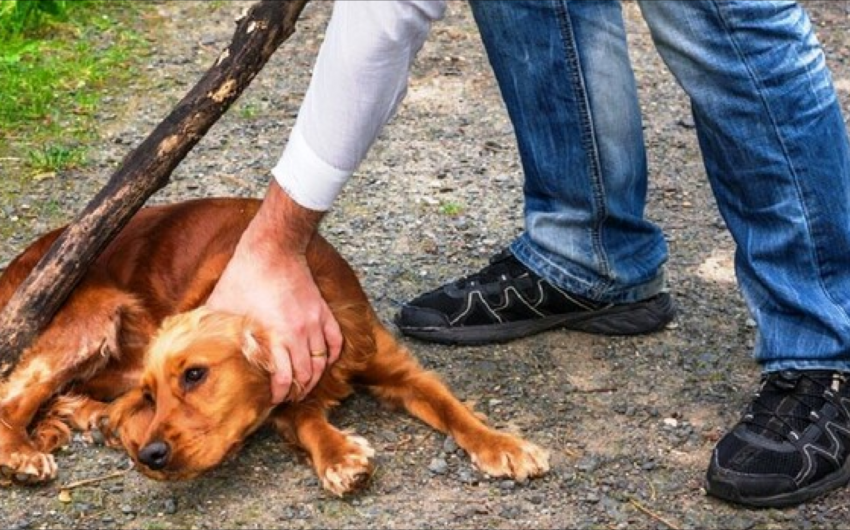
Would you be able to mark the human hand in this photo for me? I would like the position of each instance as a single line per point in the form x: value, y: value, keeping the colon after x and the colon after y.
x: 268, y: 279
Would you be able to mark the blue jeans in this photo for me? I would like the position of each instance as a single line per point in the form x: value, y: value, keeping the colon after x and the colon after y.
x: 769, y: 126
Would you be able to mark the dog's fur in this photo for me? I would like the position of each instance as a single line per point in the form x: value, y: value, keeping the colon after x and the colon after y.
x: 133, y: 352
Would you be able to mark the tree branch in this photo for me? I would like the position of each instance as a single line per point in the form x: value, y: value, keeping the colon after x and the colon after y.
x: 143, y: 172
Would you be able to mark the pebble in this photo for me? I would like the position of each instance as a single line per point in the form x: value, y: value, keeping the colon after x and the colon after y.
x: 466, y: 476
x: 507, y: 485
x: 671, y: 422
x: 438, y: 466
x: 82, y: 507
x: 510, y: 512
x: 588, y: 464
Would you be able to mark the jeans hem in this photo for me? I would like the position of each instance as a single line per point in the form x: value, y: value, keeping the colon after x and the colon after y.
x: 598, y: 290
x: 801, y: 364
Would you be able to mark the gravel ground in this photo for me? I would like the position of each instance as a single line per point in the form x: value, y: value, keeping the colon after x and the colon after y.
x: 630, y: 421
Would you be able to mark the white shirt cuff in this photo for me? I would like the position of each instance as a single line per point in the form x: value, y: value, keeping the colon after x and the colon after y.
x: 306, y: 178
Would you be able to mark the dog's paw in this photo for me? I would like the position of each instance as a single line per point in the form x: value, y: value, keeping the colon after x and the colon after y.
x: 28, y: 466
x: 351, y: 470
x: 50, y: 434
x: 509, y: 456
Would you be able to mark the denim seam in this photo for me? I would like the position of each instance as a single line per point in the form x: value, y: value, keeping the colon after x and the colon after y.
x: 754, y: 78
x: 588, y: 140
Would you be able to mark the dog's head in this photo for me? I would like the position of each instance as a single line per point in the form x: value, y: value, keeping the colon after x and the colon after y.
x: 205, y: 388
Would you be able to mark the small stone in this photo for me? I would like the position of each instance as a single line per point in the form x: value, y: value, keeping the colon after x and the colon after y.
x: 507, y: 485
x: 588, y: 464
x: 438, y: 466
x: 467, y: 477
x: 170, y: 506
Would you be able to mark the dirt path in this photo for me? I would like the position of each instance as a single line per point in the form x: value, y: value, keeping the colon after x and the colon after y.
x: 630, y: 422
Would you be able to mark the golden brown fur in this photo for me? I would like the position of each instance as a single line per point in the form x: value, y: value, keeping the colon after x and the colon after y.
x: 133, y: 352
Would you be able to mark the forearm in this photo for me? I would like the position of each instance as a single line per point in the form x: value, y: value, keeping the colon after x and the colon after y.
x: 358, y: 81
x: 284, y: 223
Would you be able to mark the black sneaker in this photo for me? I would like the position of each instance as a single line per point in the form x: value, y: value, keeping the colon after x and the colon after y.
x: 790, y: 446
x: 506, y: 301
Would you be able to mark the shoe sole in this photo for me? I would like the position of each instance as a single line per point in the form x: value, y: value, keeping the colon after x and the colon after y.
x: 628, y: 319
x: 728, y: 492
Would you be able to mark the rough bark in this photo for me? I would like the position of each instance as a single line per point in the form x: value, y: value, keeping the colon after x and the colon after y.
x: 142, y: 173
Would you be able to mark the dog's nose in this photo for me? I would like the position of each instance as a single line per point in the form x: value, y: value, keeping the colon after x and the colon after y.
x: 155, y: 455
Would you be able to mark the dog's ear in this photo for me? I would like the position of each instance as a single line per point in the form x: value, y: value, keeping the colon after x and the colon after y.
x: 255, y: 346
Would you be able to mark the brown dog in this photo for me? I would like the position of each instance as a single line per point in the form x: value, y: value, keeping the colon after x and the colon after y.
x: 134, y: 353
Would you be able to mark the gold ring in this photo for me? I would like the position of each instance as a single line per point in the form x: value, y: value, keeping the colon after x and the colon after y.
x: 319, y: 353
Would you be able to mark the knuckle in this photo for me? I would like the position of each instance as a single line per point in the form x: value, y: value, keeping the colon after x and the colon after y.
x: 283, y: 378
x: 303, y: 378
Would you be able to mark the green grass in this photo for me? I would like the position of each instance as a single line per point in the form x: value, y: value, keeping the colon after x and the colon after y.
x: 52, y: 158
x: 19, y: 16
x: 248, y: 109
x: 55, y: 67
x: 451, y: 209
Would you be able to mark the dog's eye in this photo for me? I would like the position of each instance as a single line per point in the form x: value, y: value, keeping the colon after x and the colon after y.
x: 148, y: 397
x: 193, y: 376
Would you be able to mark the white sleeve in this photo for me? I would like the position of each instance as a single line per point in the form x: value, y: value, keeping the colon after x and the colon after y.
x: 358, y: 81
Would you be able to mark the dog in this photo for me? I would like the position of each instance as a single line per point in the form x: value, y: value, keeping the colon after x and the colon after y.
x: 134, y: 353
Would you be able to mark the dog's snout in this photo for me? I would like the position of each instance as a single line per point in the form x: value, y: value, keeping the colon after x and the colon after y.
x: 155, y: 455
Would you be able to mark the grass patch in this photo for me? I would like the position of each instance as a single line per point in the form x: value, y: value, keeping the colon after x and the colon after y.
x: 55, y: 157
x: 55, y: 67
x: 451, y: 209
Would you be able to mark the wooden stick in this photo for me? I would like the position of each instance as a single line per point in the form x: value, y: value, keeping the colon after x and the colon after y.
x: 654, y: 515
x: 143, y: 172
x: 93, y: 480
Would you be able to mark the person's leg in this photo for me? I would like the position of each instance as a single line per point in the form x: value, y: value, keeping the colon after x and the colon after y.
x: 564, y: 73
x: 776, y: 152
x: 565, y: 76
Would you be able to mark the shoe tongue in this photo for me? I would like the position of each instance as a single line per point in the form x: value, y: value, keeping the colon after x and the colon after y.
x: 502, y: 264
x: 787, y: 399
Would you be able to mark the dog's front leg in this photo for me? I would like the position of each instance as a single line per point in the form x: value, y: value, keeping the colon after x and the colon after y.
x: 82, y: 338
x: 342, y: 460
x: 67, y: 412
x: 395, y: 377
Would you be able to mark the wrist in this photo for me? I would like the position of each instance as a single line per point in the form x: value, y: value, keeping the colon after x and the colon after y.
x: 283, y: 222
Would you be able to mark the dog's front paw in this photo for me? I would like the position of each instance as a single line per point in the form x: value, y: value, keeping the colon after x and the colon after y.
x: 350, y: 469
x: 27, y: 466
x: 50, y: 434
x: 504, y: 455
